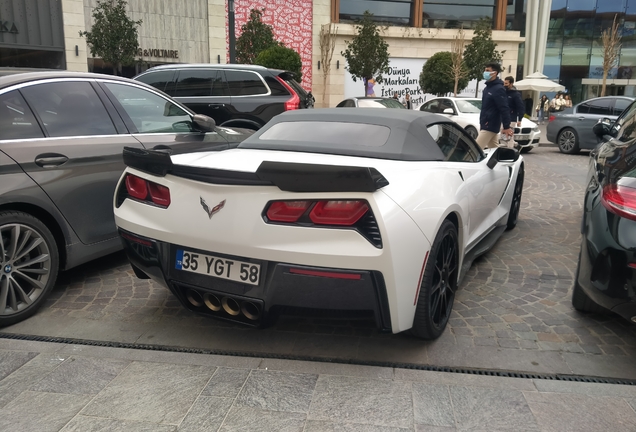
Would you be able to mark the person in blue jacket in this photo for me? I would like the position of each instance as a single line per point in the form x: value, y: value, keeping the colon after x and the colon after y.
x: 494, y: 109
x: 515, y: 103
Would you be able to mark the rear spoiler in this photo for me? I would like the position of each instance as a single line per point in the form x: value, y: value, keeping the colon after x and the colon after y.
x: 287, y: 176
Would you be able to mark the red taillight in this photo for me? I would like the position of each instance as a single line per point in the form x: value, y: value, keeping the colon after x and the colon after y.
x: 632, y: 265
x: 620, y: 200
x: 294, y: 102
x: 287, y: 211
x: 344, y: 213
x: 159, y: 194
x: 136, y: 187
x: 552, y: 118
x: 145, y: 190
x: 134, y: 238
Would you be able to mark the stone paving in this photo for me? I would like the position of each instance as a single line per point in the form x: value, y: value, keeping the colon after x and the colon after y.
x: 512, y: 312
x: 50, y: 387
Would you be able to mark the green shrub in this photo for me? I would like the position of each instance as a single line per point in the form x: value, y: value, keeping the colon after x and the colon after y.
x: 281, y: 57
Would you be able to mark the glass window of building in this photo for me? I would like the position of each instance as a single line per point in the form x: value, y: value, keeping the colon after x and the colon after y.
x: 392, y: 12
x: 456, y: 13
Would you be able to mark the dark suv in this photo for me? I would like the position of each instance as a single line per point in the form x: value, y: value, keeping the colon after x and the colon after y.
x: 244, y: 96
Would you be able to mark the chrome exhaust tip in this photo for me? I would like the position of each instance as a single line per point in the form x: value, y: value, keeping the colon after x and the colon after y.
x: 212, y: 302
x: 250, y: 310
x: 231, y: 306
x: 194, y: 298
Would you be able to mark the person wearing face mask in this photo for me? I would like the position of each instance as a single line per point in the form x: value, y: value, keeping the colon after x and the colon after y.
x: 494, y: 109
x: 515, y: 103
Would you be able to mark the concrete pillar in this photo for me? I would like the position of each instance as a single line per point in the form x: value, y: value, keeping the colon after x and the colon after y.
x: 73, y: 16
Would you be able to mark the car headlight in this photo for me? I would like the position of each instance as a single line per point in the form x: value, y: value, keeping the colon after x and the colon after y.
x: 535, y: 129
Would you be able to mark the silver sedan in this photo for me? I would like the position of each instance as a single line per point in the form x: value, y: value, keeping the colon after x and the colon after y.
x: 571, y: 129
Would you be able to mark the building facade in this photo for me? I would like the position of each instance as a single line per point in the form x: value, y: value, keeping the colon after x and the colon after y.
x: 46, y: 34
x: 574, y: 52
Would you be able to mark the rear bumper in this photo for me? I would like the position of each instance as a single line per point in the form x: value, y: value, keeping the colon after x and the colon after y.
x: 350, y: 293
x: 606, y: 254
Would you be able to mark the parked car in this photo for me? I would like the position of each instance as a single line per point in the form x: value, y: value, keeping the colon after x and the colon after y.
x: 605, y: 279
x: 243, y: 96
x: 465, y: 112
x: 360, y: 211
x: 571, y: 129
x: 61, y: 140
x: 370, y: 102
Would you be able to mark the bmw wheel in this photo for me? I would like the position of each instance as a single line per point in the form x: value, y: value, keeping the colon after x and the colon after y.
x: 438, y: 286
x: 28, y: 265
x: 472, y: 132
x: 513, y: 214
x: 568, y: 141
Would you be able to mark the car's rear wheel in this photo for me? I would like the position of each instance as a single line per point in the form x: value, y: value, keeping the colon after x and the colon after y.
x: 472, y: 132
x: 438, y: 286
x: 29, y: 264
x: 568, y: 141
x: 513, y: 214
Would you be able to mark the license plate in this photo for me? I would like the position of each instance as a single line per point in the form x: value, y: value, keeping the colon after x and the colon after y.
x: 223, y: 268
x: 522, y: 137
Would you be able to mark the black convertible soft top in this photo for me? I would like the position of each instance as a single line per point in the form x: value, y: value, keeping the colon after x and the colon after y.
x: 364, y: 132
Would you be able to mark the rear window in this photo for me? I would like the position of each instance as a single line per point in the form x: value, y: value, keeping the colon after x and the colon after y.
x: 330, y: 132
x: 245, y: 83
x: 289, y: 79
x: 380, y: 103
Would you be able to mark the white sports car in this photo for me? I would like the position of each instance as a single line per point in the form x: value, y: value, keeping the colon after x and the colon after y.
x: 360, y: 211
x: 465, y: 112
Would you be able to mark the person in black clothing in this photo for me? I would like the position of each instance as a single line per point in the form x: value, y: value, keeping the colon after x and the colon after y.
x: 514, y: 101
x: 494, y: 108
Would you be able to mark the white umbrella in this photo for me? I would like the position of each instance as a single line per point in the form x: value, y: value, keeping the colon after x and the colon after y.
x: 538, y: 82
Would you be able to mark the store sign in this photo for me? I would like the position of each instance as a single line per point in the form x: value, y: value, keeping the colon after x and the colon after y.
x: 160, y: 53
x: 8, y: 27
x: 403, y: 77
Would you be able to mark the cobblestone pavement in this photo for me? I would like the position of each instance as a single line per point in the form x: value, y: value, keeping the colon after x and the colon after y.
x: 512, y: 312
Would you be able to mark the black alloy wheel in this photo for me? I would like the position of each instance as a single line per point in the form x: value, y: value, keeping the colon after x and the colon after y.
x: 28, y: 265
x: 439, y: 285
x: 513, y: 214
x: 472, y: 132
x: 568, y: 141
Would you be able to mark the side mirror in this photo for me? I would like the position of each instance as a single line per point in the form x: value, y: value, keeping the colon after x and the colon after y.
x: 448, y: 111
x: 602, y: 128
x: 204, y: 123
x: 502, y: 154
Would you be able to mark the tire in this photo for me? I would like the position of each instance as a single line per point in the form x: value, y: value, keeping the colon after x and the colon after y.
x: 515, y: 205
x: 438, y: 286
x: 472, y: 132
x: 29, y: 263
x: 580, y: 300
x: 568, y: 141
x: 526, y: 149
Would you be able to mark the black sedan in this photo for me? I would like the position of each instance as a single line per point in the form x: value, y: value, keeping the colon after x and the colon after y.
x: 606, y: 273
x: 61, y: 140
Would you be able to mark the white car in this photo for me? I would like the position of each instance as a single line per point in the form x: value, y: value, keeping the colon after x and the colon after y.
x: 355, y: 210
x: 465, y: 112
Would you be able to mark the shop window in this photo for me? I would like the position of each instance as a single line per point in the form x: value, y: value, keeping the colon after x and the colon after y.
x: 456, y: 13
x: 69, y: 109
x: 16, y: 119
x: 392, y: 12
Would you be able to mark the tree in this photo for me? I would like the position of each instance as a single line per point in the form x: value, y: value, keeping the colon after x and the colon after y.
x: 458, y: 68
x: 367, y: 54
x: 281, y: 57
x: 611, y: 46
x: 436, y: 78
x: 113, y: 36
x: 480, y: 51
x: 256, y: 36
x: 327, y: 38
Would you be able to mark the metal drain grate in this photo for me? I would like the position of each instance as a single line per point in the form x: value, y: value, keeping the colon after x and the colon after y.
x: 432, y: 368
